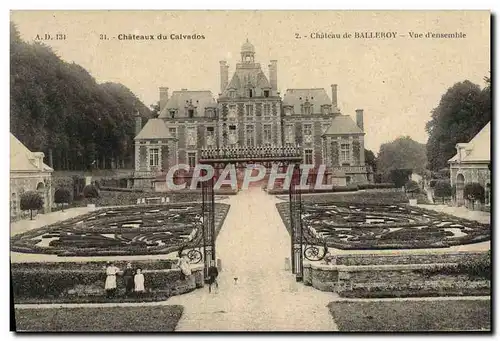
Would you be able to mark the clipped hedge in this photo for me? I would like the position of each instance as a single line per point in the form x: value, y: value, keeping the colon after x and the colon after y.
x: 365, y: 197
x: 376, y: 186
x: 77, y: 281
x: 474, y: 268
x: 453, y: 289
x: 334, y: 189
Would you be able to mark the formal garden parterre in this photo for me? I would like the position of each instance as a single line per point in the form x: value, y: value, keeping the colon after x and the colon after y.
x: 131, y: 230
x: 363, y: 226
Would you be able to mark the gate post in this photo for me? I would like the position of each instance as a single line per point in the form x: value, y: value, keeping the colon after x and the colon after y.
x: 296, y: 232
x: 208, y: 214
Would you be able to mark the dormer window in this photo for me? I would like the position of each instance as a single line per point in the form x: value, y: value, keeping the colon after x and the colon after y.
x: 172, y: 113
x: 232, y: 94
x: 266, y: 93
x: 190, y: 113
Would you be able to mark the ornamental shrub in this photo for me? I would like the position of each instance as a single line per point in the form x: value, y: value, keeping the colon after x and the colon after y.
x: 412, y: 187
x: 474, y: 191
x: 90, y: 191
x: 31, y: 201
x: 442, y: 189
x: 62, y: 196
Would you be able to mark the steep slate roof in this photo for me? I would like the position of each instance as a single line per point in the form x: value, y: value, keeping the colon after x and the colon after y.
x: 316, y: 96
x: 478, y: 149
x: 179, y: 100
x: 249, y: 73
x: 155, y: 128
x: 343, y: 124
x: 22, y: 159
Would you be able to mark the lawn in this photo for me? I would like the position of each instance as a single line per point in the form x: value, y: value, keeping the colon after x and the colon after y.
x: 399, y: 316
x: 99, y: 319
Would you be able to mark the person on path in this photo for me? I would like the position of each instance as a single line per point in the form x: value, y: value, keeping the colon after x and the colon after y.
x: 139, y: 281
x: 110, y: 284
x: 183, y: 264
x: 212, y: 274
x: 128, y: 278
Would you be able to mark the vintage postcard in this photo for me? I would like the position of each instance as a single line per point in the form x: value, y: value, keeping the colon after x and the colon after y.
x: 196, y: 171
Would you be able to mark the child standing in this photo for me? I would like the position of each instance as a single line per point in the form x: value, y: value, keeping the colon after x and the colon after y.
x: 139, y: 281
x: 213, y: 273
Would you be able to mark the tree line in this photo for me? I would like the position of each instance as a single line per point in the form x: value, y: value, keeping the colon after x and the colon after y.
x: 464, y: 109
x: 58, y: 108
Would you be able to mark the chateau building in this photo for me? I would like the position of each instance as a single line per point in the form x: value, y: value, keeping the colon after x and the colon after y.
x: 250, y: 112
x: 472, y: 164
x: 28, y: 173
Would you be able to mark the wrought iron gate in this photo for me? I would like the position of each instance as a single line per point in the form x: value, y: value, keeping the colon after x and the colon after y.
x: 208, y: 230
x: 296, y: 231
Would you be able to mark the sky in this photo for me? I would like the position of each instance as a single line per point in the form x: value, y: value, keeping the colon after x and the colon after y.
x: 397, y: 81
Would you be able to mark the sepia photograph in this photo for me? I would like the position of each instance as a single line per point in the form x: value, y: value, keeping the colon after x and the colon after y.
x: 250, y: 171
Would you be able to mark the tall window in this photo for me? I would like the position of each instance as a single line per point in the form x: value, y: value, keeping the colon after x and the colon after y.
x: 266, y: 93
x: 210, y: 136
x: 154, y: 157
x: 250, y: 93
x: 191, y: 156
x: 307, y: 133
x: 190, y: 113
x: 172, y: 113
x: 233, y: 136
x: 267, y: 134
x: 290, y: 134
x: 173, y: 132
x: 249, y: 110
x: 308, y: 156
x: 345, y: 153
x: 232, y: 111
x: 249, y: 136
x: 267, y: 110
x: 191, y: 136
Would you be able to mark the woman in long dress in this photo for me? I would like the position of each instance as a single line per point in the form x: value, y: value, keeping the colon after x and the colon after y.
x: 110, y: 284
x: 183, y: 264
x: 139, y: 282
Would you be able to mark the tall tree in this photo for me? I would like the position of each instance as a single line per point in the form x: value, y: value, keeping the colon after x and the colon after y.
x: 370, y: 159
x: 462, y: 112
x: 59, y: 108
x: 402, y: 153
x: 155, y: 109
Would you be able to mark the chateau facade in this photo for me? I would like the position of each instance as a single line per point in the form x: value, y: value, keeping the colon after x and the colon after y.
x: 250, y: 112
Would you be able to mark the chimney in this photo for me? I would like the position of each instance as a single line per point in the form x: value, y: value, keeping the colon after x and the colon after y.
x: 273, y: 74
x: 138, y: 122
x: 359, y: 118
x: 163, y: 97
x: 224, y: 75
x: 334, y: 96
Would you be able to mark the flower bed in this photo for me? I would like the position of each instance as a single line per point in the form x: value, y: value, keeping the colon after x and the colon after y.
x: 355, y: 226
x: 138, y: 230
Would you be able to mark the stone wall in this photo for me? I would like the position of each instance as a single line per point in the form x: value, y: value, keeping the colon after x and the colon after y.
x: 395, y: 274
x: 405, y: 258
